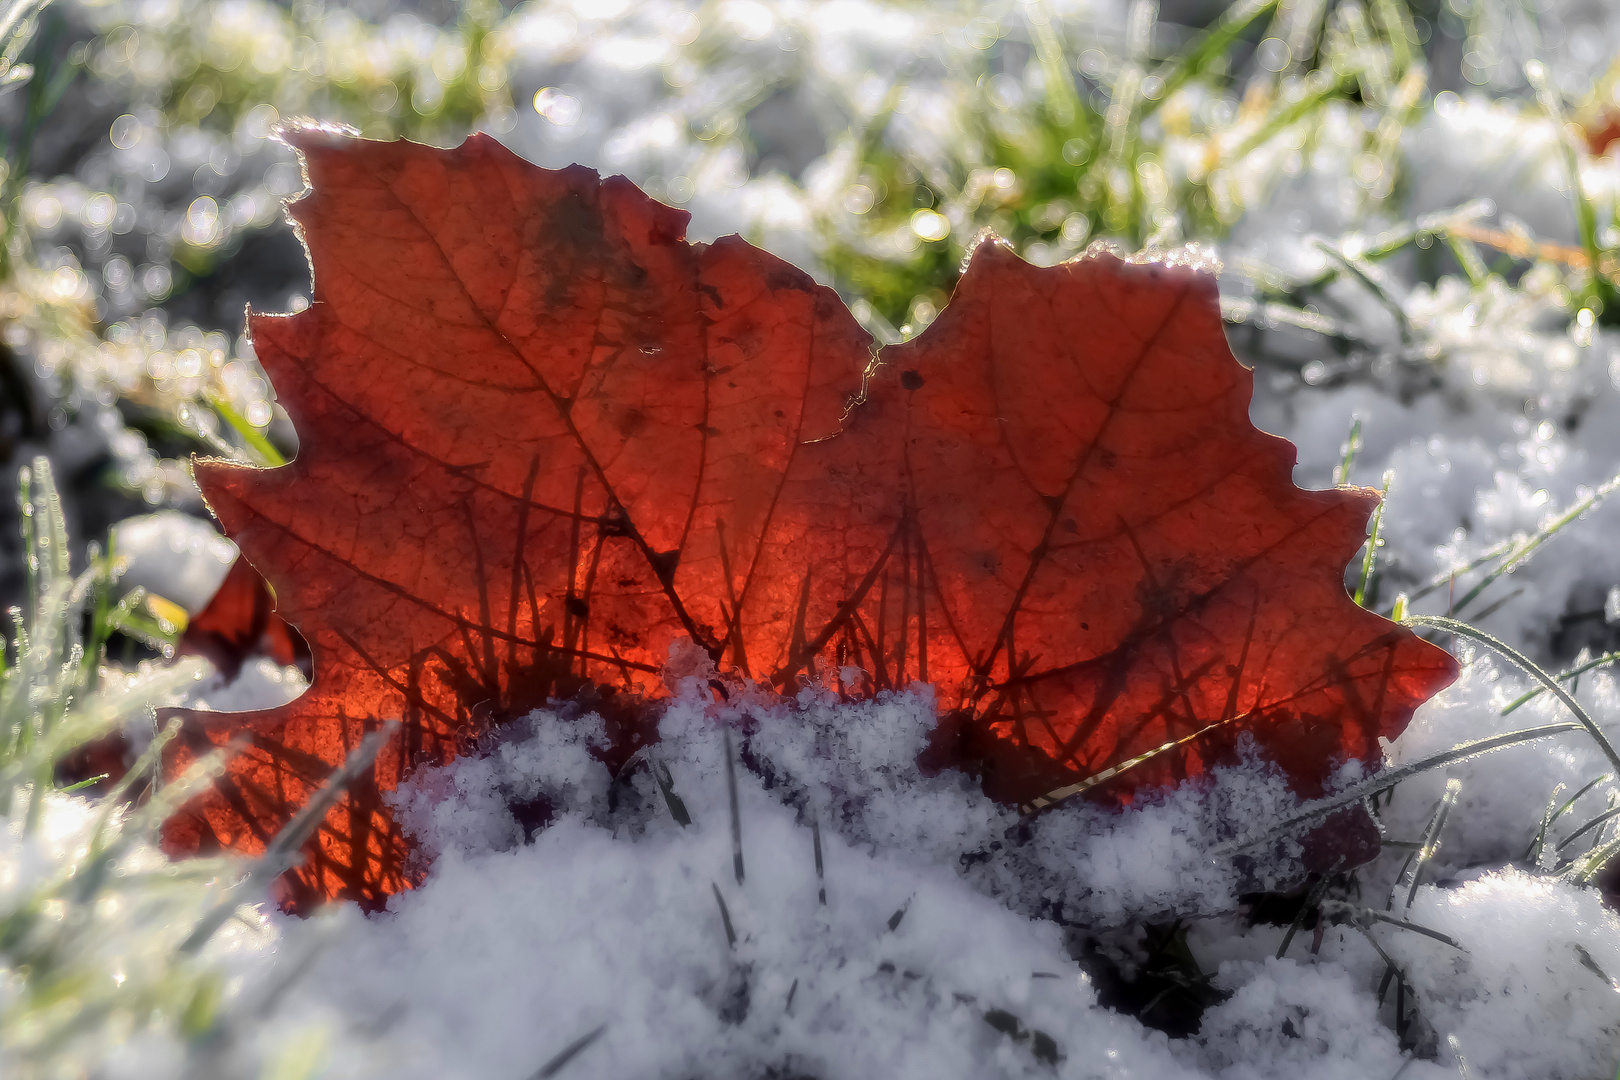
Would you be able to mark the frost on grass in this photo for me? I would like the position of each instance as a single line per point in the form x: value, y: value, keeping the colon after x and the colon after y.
x: 110, y: 977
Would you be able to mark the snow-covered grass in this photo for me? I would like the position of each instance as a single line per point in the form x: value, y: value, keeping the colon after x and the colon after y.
x: 775, y: 890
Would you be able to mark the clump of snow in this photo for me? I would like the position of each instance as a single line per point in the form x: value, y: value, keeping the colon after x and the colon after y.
x: 469, y: 806
x: 850, y: 767
x: 1289, y: 1018
x: 622, y: 924
x: 176, y: 556
x: 260, y: 683
x: 1107, y: 867
x: 943, y: 945
x: 1531, y: 991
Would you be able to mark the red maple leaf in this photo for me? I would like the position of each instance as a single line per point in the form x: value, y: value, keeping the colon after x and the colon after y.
x: 543, y: 438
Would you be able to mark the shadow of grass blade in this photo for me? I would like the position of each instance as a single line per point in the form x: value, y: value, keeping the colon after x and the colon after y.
x: 566, y: 1054
x: 282, y: 851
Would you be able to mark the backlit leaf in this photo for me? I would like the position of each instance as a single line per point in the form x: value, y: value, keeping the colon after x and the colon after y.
x: 543, y: 439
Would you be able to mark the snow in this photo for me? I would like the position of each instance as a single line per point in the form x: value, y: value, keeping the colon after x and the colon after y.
x: 1523, y: 939
x: 606, y: 918
x: 1287, y: 1019
x: 893, y: 975
x: 173, y: 555
x: 260, y: 684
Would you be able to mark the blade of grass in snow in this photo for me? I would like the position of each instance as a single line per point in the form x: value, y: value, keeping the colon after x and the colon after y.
x: 1212, y: 46
x: 1388, y: 778
x: 1564, y: 676
x: 736, y: 815
x: 1449, y: 578
x: 1411, y: 875
x: 1063, y: 794
x: 666, y: 787
x: 1595, y: 823
x: 1357, y: 268
x: 567, y: 1054
x: 1373, y: 540
x: 1538, y: 843
x: 1406, y: 924
x: 1352, y: 447
x: 1521, y: 551
x: 1462, y: 629
x: 1601, y: 294
x: 725, y: 916
x: 1588, y: 867
x: 821, y: 877
x: 1312, y: 899
x: 1366, y: 916
x: 1439, y: 223
x: 1468, y: 258
x: 1533, y: 853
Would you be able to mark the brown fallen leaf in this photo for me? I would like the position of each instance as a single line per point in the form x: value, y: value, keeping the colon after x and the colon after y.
x: 543, y: 439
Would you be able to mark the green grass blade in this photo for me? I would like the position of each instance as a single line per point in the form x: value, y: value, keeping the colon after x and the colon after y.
x: 1592, y: 865
x: 1373, y: 540
x: 1601, y: 292
x: 1212, y: 45
x: 1412, y: 874
x: 1533, y: 853
x: 1595, y: 823
x: 1352, y: 447
x: 1563, y: 676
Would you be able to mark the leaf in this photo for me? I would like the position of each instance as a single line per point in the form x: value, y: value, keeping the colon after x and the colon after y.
x: 544, y: 439
x: 239, y: 622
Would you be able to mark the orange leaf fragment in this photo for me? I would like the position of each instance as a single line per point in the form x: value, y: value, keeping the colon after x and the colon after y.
x: 543, y: 438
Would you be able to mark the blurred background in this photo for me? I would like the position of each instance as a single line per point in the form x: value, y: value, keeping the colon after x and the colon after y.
x: 866, y: 141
